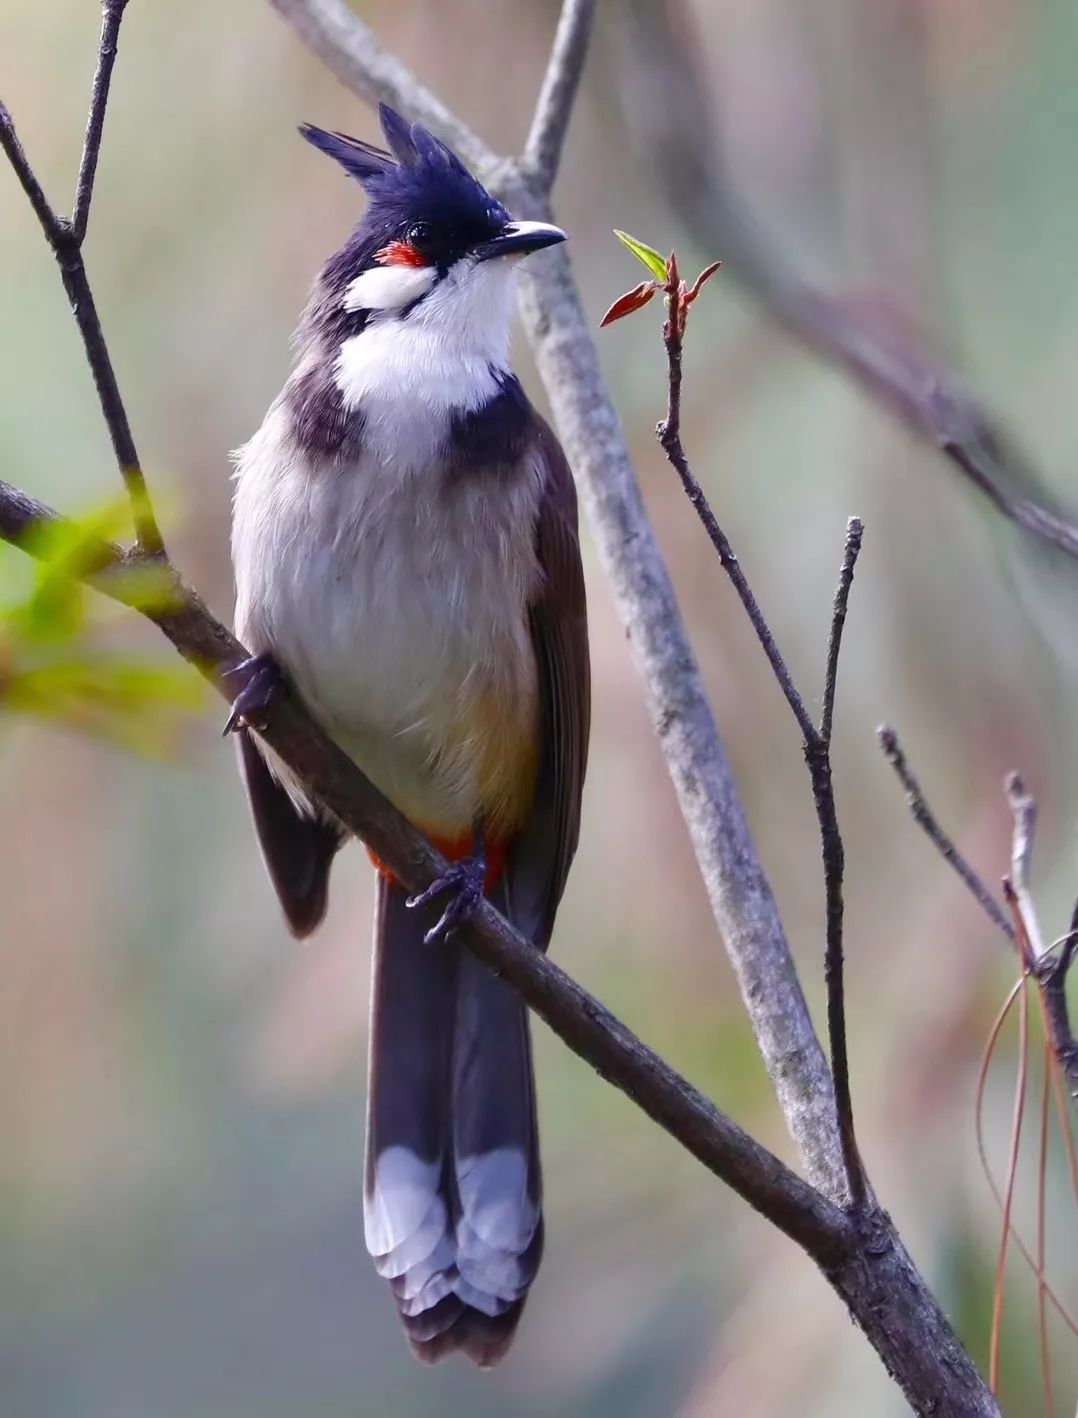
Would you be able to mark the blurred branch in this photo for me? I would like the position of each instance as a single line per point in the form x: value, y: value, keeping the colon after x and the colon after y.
x: 557, y: 327
x: 671, y: 122
x: 816, y: 742
x: 557, y: 97
x: 353, y: 53
x: 66, y: 238
x: 1050, y: 973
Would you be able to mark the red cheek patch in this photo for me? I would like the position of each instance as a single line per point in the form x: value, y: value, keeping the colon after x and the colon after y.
x: 400, y: 253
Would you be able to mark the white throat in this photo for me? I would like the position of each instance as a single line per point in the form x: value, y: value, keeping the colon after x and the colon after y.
x: 409, y: 371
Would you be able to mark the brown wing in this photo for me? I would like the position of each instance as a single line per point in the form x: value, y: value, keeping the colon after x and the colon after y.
x: 540, y: 861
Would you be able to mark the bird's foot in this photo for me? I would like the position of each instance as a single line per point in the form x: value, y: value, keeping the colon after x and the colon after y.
x: 264, y: 682
x: 464, y: 882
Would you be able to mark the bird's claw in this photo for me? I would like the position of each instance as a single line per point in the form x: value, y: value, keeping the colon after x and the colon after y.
x: 464, y: 882
x: 264, y: 682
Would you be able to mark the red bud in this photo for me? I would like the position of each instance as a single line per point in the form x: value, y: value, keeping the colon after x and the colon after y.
x: 630, y: 301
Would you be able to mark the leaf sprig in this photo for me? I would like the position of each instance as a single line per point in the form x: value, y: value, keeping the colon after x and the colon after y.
x: 665, y: 278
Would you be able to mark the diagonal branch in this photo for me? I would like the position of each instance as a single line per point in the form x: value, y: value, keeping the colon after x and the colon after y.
x: 926, y: 820
x: 557, y: 97
x: 54, y: 228
x: 112, y: 13
x: 672, y: 125
x: 575, y: 1016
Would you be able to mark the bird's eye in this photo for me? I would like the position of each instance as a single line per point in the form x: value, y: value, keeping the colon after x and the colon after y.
x: 418, y: 233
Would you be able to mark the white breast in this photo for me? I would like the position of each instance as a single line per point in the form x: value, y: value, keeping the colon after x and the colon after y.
x: 396, y: 600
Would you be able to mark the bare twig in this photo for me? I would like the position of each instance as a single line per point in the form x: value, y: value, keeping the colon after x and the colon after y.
x: 927, y: 822
x: 669, y: 435
x: 65, y: 239
x: 1049, y: 971
x: 818, y: 758
x: 558, y: 329
x: 671, y: 121
x: 51, y: 225
x: 816, y: 742
x: 557, y: 97
x: 854, y: 532
x: 112, y: 12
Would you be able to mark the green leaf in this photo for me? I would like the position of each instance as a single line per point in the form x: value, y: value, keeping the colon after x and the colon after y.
x: 649, y: 257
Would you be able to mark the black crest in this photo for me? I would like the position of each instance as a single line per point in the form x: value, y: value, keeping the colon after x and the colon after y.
x: 419, y: 190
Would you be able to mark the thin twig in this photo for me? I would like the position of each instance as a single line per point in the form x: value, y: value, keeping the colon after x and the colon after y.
x: 816, y: 742
x: 926, y: 820
x: 54, y: 228
x: 818, y: 758
x: 557, y: 97
x: 854, y: 532
x: 66, y: 242
x: 669, y: 435
x: 112, y: 12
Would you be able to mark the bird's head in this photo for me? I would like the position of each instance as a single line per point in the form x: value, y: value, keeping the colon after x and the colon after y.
x: 433, y: 245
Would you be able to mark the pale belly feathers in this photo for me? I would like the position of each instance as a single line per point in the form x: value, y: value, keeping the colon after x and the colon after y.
x: 396, y: 599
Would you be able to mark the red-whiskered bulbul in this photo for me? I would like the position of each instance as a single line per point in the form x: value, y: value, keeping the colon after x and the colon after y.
x: 407, y: 561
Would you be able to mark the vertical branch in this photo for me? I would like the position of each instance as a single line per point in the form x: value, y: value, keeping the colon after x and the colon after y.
x: 818, y: 758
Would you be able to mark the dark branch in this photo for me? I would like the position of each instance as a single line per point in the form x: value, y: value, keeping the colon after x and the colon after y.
x: 669, y: 435
x: 557, y: 98
x: 55, y: 230
x: 112, y: 12
x: 816, y: 743
x: 854, y: 532
x: 65, y: 238
x: 927, y: 822
x: 818, y: 758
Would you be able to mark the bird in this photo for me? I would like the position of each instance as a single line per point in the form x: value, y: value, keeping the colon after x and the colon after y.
x: 407, y: 563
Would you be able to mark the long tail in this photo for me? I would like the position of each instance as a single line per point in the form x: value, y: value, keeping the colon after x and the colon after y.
x: 453, y: 1203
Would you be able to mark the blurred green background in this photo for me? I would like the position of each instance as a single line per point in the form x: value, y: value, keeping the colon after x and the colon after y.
x: 181, y: 1085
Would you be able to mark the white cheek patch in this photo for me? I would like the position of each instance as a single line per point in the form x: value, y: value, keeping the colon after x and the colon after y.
x: 388, y: 287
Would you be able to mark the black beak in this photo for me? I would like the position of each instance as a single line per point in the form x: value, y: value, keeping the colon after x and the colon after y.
x: 519, y: 239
